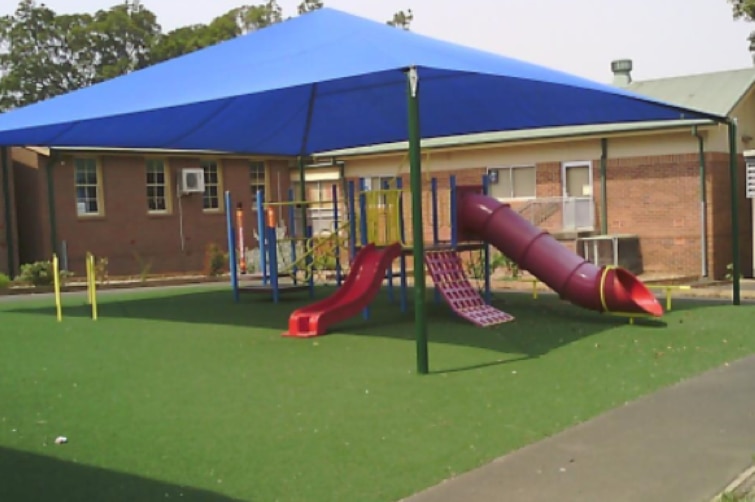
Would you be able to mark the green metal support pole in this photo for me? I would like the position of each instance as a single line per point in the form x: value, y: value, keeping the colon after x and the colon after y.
x: 415, y: 179
x: 4, y: 152
x: 604, y: 186
x: 734, y: 195
x: 52, y: 214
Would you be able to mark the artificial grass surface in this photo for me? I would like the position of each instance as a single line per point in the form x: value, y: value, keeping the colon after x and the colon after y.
x: 184, y: 394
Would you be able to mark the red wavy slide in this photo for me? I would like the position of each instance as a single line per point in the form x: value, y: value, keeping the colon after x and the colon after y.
x: 606, y: 289
x: 361, y: 285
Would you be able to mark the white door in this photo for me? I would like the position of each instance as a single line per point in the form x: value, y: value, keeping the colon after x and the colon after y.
x: 579, y: 209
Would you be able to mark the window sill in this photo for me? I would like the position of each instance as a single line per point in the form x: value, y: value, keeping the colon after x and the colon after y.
x: 90, y: 217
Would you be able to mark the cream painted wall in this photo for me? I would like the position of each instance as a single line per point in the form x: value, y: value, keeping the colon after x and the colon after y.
x: 648, y: 144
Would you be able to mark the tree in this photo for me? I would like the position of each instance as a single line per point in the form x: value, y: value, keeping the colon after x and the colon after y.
x: 122, y: 38
x: 230, y: 25
x: 43, y: 54
x: 403, y: 19
x: 309, y: 6
x: 39, y: 54
x: 745, y: 9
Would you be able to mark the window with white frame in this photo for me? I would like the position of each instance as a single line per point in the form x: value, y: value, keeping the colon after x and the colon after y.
x: 256, y: 179
x: 212, y: 185
x: 88, y: 180
x: 158, y: 200
x: 513, y: 182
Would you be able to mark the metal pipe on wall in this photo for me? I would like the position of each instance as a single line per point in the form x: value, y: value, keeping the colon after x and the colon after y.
x: 703, y: 204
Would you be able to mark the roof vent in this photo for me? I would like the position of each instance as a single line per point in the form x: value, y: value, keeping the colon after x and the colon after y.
x: 622, y: 72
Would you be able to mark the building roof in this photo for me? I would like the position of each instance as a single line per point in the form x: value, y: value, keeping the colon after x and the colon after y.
x: 716, y: 93
x: 546, y: 133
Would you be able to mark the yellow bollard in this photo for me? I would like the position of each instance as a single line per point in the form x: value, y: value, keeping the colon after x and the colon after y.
x: 92, y: 285
x: 56, y: 286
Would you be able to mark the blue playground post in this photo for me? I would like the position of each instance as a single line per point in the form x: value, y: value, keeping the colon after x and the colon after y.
x: 454, y: 215
x: 402, y: 235
x: 336, y: 229
x: 273, y: 245
x: 292, y: 232
x: 363, y: 227
x: 436, y: 230
x: 434, y: 210
x: 232, y: 247
x: 262, y: 234
x: 486, y: 249
x: 352, y: 221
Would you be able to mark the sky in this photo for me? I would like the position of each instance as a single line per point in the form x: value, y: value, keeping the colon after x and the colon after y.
x: 664, y: 38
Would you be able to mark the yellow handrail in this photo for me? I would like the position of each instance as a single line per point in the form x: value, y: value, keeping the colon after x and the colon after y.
x: 312, y: 245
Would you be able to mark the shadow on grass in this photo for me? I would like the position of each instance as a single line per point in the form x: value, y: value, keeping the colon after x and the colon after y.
x: 29, y: 477
x: 541, y: 325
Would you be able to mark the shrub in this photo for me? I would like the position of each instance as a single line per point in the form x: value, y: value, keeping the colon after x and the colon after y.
x: 4, y: 281
x: 40, y: 273
x: 215, y: 260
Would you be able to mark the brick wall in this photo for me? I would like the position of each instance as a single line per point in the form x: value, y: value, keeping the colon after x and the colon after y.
x: 32, y: 210
x: 131, y: 238
x: 8, y: 222
x: 655, y: 197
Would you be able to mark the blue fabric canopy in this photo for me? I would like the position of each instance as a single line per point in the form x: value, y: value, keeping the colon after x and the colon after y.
x: 325, y: 80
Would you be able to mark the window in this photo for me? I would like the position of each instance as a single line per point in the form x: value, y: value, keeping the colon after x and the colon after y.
x: 256, y: 179
x: 381, y: 183
x: 518, y: 182
x: 88, y: 188
x: 158, y: 200
x: 211, y: 198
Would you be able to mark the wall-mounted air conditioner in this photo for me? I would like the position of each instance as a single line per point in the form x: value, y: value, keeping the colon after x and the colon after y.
x: 191, y: 180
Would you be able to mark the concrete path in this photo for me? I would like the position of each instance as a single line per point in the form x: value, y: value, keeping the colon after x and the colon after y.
x: 685, y: 443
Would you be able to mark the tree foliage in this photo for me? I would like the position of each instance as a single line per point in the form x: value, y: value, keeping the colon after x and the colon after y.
x: 402, y: 19
x: 44, y: 54
x: 745, y: 9
x: 309, y: 6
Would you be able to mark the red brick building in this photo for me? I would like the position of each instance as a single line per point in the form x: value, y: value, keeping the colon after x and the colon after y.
x: 130, y: 208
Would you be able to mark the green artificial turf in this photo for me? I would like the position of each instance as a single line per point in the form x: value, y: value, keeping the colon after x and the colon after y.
x: 185, y: 394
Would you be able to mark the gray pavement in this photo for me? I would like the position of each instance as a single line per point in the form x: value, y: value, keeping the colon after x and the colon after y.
x: 685, y: 443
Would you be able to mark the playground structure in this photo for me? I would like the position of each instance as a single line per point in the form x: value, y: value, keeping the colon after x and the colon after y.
x: 91, y: 282
x: 373, y: 235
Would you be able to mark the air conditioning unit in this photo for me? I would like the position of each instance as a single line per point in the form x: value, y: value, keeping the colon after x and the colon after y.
x: 191, y: 180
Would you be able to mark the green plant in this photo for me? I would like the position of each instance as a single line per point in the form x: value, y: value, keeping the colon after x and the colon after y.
x: 4, y: 281
x: 475, y: 266
x: 40, y: 273
x: 730, y: 272
x: 145, y: 265
x: 100, y: 270
x: 216, y: 260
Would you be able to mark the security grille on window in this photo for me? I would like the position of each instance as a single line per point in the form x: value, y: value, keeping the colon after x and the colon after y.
x: 157, y: 200
x: 211, y: 198
x: 87, y: 181
x: 256, y: 179
x: 516, y: 182
x: 380, y: 183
